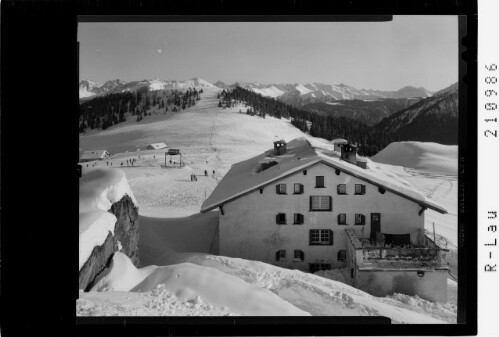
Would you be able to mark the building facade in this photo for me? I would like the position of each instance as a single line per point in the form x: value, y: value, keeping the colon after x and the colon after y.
x: 325, y: 214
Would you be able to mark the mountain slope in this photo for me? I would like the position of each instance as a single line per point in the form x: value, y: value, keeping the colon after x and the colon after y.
x: 434, y: 119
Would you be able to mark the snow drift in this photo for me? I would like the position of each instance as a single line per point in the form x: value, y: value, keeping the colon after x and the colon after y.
x: 190, y: 282
x: 432, y: 157
x: 243, y: 287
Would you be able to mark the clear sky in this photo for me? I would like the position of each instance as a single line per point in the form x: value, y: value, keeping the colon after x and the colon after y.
x: 410, y: 50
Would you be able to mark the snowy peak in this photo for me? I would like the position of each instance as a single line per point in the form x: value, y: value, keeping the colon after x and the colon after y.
x: 409, y: 92
x: 112, y: 85
x: 88, y: 88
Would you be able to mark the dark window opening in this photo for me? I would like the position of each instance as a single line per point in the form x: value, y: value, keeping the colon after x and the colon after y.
x: 280, y: 255
x: 319, y: 181
x: 280, y: 219
x: 298, y: 219
x: 342, y: 255
x: 342, y: 189
x: 315, y: 267
x: 305, y: 172
x: 381, y: 190
x: 342, y: 219
x: 337, y: 172
x: 299, y: 255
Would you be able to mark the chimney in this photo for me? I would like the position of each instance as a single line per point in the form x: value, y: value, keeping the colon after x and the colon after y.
x: 349, y: 153
x: 279, y: 147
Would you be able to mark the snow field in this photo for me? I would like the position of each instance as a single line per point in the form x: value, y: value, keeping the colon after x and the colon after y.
x: 424, y: 156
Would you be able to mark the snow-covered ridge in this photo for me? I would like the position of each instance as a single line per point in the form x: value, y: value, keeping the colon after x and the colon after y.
x: 100, y: 188
x: 89, y: 89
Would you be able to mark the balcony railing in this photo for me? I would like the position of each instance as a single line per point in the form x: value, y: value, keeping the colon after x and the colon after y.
x: 365, y: 252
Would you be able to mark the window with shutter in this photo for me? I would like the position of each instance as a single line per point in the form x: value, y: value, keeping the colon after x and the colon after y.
x: 342, y: 189
x: 298, y: 219
x: 281, y: 188
x: 299, y: 255
x: 342, y: 219
x: 298, y: 188
x: 360, y: 189
x: 360, y: 219
x: 320, y: 203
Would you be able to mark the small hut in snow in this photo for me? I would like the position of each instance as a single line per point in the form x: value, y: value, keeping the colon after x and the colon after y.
x: 93, y: 155
x: 156, y: 146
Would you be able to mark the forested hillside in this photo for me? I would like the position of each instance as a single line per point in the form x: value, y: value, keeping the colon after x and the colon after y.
x: 434, y: 119
x: 370, y: 141
x: 105, y: 111
x: 368, y: 112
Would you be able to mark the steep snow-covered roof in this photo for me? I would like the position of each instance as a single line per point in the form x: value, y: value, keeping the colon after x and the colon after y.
x: 99, y: 189
x: 96, y: 154
x: 245, y: 176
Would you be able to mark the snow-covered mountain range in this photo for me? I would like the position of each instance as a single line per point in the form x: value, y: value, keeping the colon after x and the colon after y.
x: 295, y: 94
x: 89, y: 88
x: 302, y: 94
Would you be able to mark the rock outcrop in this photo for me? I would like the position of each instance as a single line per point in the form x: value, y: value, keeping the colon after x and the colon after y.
x: 125, y: 239
x: 126, y: 230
